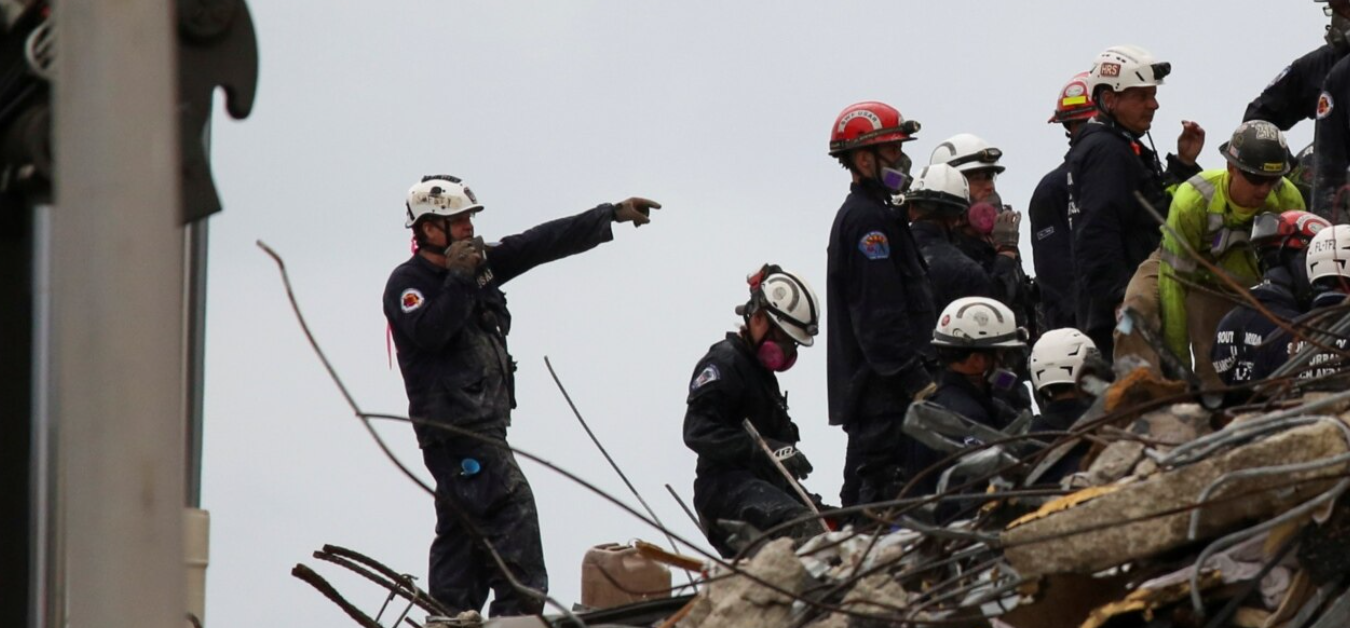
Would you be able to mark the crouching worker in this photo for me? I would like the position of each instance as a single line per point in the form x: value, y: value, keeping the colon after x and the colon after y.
x: 1248, y: 345
x: 1056, y: 361
x: 736, y: 481
x: 977, y: 339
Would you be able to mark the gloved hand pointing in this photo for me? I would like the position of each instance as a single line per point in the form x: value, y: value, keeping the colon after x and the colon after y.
x: 793, y: 460
x: 636, y: 210
x: 1006, y: 230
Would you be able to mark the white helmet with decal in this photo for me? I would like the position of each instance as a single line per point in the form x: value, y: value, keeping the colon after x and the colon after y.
x: 1329, y: 253
x: 978, y: 323
x: 943, y: 186
x: 439, y: 195
x: 1122, y: 67
x: 1058, y: 357
x: 967, y: 153
x: 787, y: 300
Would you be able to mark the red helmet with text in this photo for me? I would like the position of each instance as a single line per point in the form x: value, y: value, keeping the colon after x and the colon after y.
x: 1292, y: 229
x: 868, y: 124
x: 1074, y: 102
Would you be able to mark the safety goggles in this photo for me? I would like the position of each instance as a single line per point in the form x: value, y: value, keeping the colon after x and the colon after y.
x: 1259, y: 180
x: 985, y: 156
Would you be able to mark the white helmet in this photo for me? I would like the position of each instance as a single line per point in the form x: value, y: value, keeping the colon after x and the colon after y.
x: 1058, y: 357
x: 439, y: 195
x: 978, y: 322
x: 1329, y: 253
x: 943, y: 185
x: 967, y: 152
x: 787, y: 300
x: 1123, y: 67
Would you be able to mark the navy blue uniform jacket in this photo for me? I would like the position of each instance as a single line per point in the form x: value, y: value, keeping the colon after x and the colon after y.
x: 1112, y: 233
x: 450, y: 329
x: 879, y: 309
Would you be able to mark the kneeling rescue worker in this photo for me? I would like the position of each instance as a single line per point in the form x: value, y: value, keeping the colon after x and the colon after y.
x: 976, y: 339
x: 736, y: 480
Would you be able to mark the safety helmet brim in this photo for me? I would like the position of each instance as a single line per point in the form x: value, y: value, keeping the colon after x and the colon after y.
x: 797, y: 334
x: 1073, y: 115
x: 1285, y: 168
x: 886, y: 137
x: 472, y: 209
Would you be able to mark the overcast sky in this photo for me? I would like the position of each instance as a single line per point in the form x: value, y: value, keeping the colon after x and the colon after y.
x: 719, y: 110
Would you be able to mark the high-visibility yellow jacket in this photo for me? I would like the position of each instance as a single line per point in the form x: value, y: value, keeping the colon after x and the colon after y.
x: 1216, y: 229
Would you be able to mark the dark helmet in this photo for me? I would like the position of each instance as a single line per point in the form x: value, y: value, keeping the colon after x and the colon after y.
x: 1258, y: 147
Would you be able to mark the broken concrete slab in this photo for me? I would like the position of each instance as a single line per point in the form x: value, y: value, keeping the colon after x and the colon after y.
x: 1137, y: 520
x: 740, y: 601
x: 1115, y: 462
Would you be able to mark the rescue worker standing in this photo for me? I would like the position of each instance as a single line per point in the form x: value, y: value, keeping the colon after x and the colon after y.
x: 1292, y: 96
x: 1112, y: 234
x: 1211, y: 214
x: 879, y: 302
x: 1249, y: 346
x: 1051, y: 237
x: 991, y: 231
x: 737, y: 380
x: 449, y: 322
x: 937, y: 205
x: 1332, y: 139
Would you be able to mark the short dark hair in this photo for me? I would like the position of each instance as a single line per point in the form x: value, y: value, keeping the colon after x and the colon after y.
x: 418, y: 236
x: 846, y: 160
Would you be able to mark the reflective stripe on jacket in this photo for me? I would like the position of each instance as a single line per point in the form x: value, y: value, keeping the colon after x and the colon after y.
x: 1208, y: 224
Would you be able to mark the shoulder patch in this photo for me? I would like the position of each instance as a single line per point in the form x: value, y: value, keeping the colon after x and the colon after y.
x: 874, y: 245
x: 1045, y: 233
x: 411, y: 299
x: 708, y: 375
x: 1324, y: 105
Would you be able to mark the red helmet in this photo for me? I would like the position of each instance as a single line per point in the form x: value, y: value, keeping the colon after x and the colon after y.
x: 1074, y: 103
x: 1293, y: 229
x: 868, y: 124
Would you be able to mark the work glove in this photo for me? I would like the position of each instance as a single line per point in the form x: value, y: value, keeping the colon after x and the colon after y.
x: 463, y: 257
x: 1006, y: 232
x: 636, y: 210
x: 792, y: 459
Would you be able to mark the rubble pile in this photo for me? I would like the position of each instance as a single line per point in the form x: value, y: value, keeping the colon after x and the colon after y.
x: 1177, y: 515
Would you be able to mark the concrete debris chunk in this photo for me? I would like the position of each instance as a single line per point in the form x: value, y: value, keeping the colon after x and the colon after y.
x: 1115, y: 462
x: 1149, y: 517
x: 740, y: 601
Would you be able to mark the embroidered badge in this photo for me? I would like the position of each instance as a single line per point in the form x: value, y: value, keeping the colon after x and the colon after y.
x: 875, y: 245
x: 1324, y: 105
x: 708, y: 375
x: 411, y: 299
